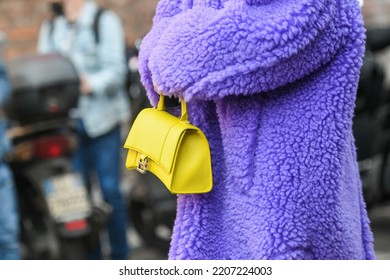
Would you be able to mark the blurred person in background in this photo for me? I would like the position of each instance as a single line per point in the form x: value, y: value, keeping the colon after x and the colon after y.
x: 103, y: 105
x: 9, y: 217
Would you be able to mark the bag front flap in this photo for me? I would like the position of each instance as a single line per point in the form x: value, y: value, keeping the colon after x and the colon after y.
x: 157, y: 135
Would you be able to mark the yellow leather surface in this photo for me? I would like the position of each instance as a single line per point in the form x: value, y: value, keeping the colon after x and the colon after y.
x: 178, y: 153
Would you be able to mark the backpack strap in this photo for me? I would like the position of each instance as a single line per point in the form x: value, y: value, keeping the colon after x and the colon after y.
x: 95, y: 25
x: 51, y: 27
x: 51, y: 30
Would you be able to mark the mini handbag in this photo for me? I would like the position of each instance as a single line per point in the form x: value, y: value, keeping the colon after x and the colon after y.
x: 171, y: 148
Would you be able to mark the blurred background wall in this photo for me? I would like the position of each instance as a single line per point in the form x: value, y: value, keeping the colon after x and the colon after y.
x: 376, y: 13
x: 21, y: 19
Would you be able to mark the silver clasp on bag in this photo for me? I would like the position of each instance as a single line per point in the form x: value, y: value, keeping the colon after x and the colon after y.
x: 142, y: 166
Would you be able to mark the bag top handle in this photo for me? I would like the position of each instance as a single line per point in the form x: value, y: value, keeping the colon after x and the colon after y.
x: 184, y: 114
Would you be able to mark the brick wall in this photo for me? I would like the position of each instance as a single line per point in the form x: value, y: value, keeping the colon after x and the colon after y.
x: 21, y: 19
x: 377, y: 14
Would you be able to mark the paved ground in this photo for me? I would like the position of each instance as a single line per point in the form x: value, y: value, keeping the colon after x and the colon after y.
x: 140, y: 251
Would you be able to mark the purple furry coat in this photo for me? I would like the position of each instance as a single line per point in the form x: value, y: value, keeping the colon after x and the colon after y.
x: 272, y: 84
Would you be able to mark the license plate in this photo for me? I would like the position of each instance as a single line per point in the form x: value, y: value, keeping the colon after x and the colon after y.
x: 67, y: 197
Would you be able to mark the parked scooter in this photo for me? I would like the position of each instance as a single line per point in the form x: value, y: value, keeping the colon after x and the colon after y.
x: 58, y: 220
x: 371, y: 124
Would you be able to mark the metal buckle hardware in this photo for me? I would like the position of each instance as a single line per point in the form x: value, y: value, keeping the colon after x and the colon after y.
x: 142, y: 166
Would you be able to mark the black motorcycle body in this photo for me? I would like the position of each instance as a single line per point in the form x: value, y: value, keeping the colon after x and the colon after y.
x: 58, y: 219
x: 152, y: 210
x: 371, y: 123
x: 55, y: 209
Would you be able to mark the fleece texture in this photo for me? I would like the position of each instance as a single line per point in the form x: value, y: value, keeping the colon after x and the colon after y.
x: 272, y: 84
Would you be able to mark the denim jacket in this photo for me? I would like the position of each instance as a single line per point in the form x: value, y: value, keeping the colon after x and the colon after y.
x: 103, y: 64
x: 5, y: 145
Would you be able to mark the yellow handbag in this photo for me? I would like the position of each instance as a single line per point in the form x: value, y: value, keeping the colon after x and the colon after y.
x: 171, y: 148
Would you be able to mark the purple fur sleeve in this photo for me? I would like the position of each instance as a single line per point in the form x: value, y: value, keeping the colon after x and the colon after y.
x: 166, y: 10
x: 209, y: 49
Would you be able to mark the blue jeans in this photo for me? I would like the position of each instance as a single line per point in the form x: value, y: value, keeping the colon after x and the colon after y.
x: 9, y: 217
x: 102, y: 156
